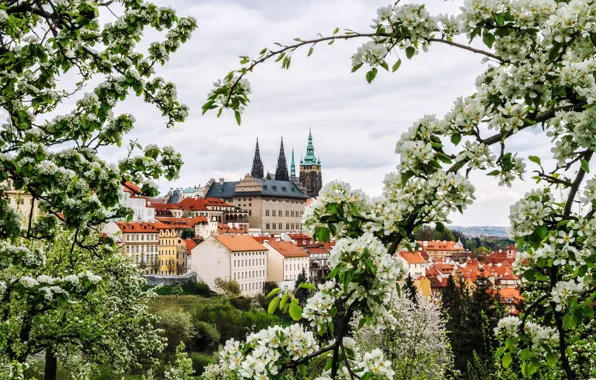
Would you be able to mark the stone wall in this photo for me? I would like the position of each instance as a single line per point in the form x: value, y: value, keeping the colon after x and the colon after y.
x: 153, y: 280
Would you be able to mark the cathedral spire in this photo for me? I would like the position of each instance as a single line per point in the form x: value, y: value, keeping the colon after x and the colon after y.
x: 292, y: 166
x: 257, y: 164
x: 310, y: 159
x: 281, y: 173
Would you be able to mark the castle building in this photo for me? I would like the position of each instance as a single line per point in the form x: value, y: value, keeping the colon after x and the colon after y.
x: 311, y: 178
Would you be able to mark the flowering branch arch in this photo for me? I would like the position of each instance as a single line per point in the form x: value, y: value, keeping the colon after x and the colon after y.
x: 541, y: 75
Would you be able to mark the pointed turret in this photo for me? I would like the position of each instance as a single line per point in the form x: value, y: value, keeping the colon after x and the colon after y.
x: 292, y: 165
x: 311, y: 177
x: 281, y: 173
x: 257, y: 164
x: 310, y: 159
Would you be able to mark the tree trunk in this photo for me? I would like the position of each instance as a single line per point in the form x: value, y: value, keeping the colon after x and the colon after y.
x: 51, y: 365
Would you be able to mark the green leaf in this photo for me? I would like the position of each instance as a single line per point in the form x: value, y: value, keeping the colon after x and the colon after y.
x: 273, y: 292
x: 328, y: 364
x: 273, y: 305
x: 283, y: 301
x: 542, y: 231
x: 295, y: 311
x: 500, y: 19
x: 456, y: 138
x: 410, y: 51
x: 551, y: 359
x: 322, y: 234
x: 310, y: 51
x: 370, y: 76
x: 336, y: 30
x: 385, y: 65
x: 488, y: 38
x: 568, y: 321
x: 302, y: 370
x: 355, y: 68
x: 396, y: 66
x: 535, y: 159
x: 529, y: 274
x: 238, y: 117
x: 585, y: 166
x: 495, y: 172
x: 306, y: 285
x: 507, y: 360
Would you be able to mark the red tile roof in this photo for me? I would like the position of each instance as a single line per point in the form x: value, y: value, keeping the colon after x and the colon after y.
x: 240, y: 243
x: 131, y: 188
x: 225, y: 229
x: 136, y: 227
x: 182, y: 222
x: 262, y: 239
x: 200, y: 204
x: 190, y: 244
x: 440, y: 245
x: 411, y: 258
x: 165, y: 206
x: 316, y: 250
x: 287, y: 249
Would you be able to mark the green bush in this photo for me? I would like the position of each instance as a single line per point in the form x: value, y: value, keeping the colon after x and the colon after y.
x: 226, y: 318
x: 177, y: 327
x: 202, y: 289
x: 257, y: 320
x: 200, y: 361
x: 207, y: 336
x: 241, y: 303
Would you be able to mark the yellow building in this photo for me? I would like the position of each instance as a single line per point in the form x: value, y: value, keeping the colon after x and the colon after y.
x: 20, y: 201
x: 167, y: 256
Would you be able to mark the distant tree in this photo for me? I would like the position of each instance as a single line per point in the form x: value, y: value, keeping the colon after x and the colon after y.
x: 410, y: 289
x: 445, y: 235
x: 188, y: 233
x: 228, y: 287
x: 481, y: 251
x: 426, y: 233
x: 269, y: 286
x: 177, y: 289
x: 177, y: 327
x: 301, y: 294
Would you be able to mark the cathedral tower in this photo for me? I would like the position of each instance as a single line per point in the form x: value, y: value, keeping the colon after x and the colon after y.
x: 293, y: 177
x: 310, y: 170
x: 281, y: 173
x: 257, y: 164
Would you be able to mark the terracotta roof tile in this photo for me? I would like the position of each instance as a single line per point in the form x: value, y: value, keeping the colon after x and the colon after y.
x: 132, y: 188
x: 136, y: 227
x: 287, y: 249
x: 182, y: 222
x: 190, y: 244
x: 440, y: 245
x: 411, y: 258
x: 240, y: 243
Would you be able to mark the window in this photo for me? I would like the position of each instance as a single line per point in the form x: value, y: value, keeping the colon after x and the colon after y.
x: 287, y: 226
x: 273, y: 213
x: 279, y: 213
x: 267, y: 226
x: 266, y: 212
x: 287, y: 213
x: 274, y: 226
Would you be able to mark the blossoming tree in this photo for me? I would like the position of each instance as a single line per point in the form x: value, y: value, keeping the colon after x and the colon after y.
x: 540, y: 76
x: 57, y: 160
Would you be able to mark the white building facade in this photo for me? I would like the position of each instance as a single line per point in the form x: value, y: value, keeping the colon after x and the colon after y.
x: 231, y: 257
x: 285, y: 262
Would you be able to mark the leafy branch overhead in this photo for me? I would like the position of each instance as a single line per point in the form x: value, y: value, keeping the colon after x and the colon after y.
x: 539, y: 78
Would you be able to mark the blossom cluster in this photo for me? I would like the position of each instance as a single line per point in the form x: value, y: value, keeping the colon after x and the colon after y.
x: 264, y: 352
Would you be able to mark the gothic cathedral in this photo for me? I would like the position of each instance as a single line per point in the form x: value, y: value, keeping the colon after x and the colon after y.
x: 310, y: 179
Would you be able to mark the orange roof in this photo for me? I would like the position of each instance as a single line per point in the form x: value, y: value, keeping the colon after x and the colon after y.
x: 162, y: 226
x: 287, y: 249
x: 190, y: 244
x: 510, y: 295
x: 411, y: 258
x: 130, y: 187
x: 200, y: 204
x: 182, y: 222
x: 136, y: 227
x: 440, y: 245
x: 165, y: 206
x: 225, y: 229
x: 240, y: 243
x: 316, y: 250
x: 261, y: 239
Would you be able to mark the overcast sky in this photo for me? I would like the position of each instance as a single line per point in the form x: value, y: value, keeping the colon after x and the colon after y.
x: 355, y: 125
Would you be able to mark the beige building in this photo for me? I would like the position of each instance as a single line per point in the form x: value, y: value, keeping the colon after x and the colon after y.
x: 140, y: 241
x: 231, y: 257
x: 273, y: 206
x: 285, y: 262
x: 438, y: 249
x: 20, y: 201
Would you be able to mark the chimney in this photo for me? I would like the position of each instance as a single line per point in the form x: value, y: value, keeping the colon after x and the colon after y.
x: 221, y: 181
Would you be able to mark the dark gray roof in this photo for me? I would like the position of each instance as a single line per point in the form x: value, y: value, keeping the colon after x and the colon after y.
x: 175, y: 198
x: 271, y: 188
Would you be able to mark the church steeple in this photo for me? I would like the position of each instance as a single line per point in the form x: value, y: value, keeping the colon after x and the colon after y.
x: 292, y: 166
x: 281, y: 173
x: 310, y: 159
x: 257, y: 164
